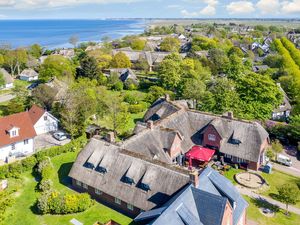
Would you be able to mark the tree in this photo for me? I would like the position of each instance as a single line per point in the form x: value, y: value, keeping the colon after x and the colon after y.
x: 117, y: 113
x: 288, y: 194
x: 270, y: 154
x: 44, y: 95
x: 258, y: 94
x: 170, y: 44
x: 219, y: 60
x: 156, y: 92
x: 277, y: 147
x: 73, y: 40
x: 193, y: 89
x: 138, y: 44
x: 2, y: 81
x: 56, y: 66
x: 89, y: 68
x: 1, y: 59
x: 120, y: 60
x: 35, y: 50
x: 169, y: 73
x: 203, y: 43
x: 103, y: 59
x: 16, y: 60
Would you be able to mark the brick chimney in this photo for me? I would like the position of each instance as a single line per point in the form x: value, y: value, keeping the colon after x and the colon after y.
x: 228, y: 115
x: 150, y: 124
x: 194, y: 178
x: 110, y: 137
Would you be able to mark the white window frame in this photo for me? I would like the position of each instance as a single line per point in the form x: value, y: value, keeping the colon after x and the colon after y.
x: 13, y: 146
x: 212, y: 137
x: 98, y: 192
x: 78, y: 183
x: 45, y: 118
x: 85, y: 186
x: 129, y: 206
x: 118, y: 201
x: 26, y: 141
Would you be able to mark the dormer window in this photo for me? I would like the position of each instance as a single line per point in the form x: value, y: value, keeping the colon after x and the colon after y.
x: 145, y: 187
x: 128, y: 180
x: 14, y: 132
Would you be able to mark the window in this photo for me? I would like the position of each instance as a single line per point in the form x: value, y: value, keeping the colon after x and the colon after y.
x: 211, y: 137
x: 145, y: 187
x: 118, y: 201
x: 78, y: 183
x: 84, y: 186
x: 98, y: 192
x: 26, y: 142
x: 13, y: 147
x: 45, y: 118
x: 13, y: 133
x: 129, y: 206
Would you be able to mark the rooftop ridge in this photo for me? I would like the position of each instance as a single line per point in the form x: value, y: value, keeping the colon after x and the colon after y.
x: 155, y: 162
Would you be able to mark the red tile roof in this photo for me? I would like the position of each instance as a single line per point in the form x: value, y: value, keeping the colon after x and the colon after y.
x: 35, y: 113
x: 22, y: 121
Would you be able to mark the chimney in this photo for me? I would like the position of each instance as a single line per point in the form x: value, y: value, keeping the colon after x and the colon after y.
x: 110, y: 137
x: 167, y: 97
x: 194, y: 178
x: 150, y: 124
x: 228, y: 115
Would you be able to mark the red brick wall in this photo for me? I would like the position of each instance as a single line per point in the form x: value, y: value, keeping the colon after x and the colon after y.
x: 253, y: 165
x: 211, y: 130
x: 227, y: 217
x: 176, y: 147
x: 108, y: 200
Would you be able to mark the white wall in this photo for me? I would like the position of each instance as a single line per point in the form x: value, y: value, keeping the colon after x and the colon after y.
x: 44, y: 126
x: 20, y: 147
x: 28, y: 78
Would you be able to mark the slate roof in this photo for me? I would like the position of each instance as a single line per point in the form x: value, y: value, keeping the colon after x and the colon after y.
x: 202, y: 205
x: 7, y: 77
x: 124, y: 74
x: 190, y: 125
x: 164, y: 181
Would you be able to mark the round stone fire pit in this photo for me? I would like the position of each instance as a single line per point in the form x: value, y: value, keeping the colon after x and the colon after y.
x: 250, y: 180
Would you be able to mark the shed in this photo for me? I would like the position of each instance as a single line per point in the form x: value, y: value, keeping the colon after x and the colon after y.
x: 268, y: 168
x: 29, y: 75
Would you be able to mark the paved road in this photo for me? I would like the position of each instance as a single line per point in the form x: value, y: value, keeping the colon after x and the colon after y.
x: 6, y: 97
x: 290, y: 170
x: 252, y: 194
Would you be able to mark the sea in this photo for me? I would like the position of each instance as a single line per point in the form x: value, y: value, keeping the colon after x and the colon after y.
x: 56, y: 33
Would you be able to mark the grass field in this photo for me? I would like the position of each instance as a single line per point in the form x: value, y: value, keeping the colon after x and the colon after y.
x: 279, y: 218
x: 24, y: 211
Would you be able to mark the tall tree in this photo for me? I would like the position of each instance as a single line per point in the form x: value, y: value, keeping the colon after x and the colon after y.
x: 73, y: 40
x: 170, y: 44
x: 89, y: 68
x: 120, y: 60
x: 288, y: 194
x: 170, y: 73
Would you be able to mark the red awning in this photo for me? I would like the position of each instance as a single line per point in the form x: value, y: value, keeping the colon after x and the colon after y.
x: 200, y: 153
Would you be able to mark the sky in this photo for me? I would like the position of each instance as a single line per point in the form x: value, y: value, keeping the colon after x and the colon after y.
x: 97, y: 9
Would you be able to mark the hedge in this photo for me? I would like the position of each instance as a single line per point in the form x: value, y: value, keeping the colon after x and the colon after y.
x: 17, y: 168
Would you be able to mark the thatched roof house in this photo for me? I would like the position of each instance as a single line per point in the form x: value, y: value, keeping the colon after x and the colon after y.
x: 8, y: 79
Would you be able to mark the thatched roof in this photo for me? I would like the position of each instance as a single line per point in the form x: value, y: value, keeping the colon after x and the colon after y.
x: 191, y: 124
x: 118, y: 167
x: 7, y: 77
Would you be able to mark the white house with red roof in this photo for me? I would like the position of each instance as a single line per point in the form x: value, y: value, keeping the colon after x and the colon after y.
x: 17, y: 131
x: 43, y: 121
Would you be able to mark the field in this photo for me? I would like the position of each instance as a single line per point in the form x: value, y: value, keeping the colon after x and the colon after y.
x: 24, y: 210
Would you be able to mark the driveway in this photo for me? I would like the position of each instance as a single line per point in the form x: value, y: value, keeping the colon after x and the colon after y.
x: 46, y: 141
x: 291, y: 152
x: 6, y: 97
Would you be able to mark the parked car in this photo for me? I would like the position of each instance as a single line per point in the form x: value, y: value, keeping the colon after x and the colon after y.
x: 284, y: 160
x: 33, y: 86
x: 60, y: 136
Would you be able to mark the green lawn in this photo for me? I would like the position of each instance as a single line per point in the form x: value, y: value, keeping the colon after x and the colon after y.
x: 276, y: 179
x: 23, y: 211
x: 2, y: 108
x: 279, y: 218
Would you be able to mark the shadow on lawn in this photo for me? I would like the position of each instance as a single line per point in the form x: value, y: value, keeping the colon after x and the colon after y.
x: 262, y: 203
x: 63, y: 173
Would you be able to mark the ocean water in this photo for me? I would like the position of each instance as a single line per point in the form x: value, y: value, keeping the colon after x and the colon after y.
x: 56, y: 33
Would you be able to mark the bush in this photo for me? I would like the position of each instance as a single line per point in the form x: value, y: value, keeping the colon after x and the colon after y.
x: 46, y: 185
x: 15, y: 169
x: 137, y: 108
x: 57, y: 203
